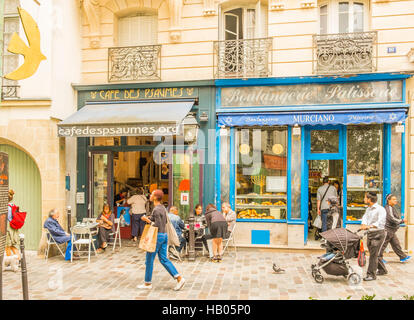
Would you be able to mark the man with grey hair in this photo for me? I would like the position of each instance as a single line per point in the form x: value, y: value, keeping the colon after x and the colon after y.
x: 230, y: 216
x: 179, y: 226
x: 57, y: 232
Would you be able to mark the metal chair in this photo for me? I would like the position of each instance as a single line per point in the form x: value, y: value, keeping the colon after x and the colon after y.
x: 230, y: 238
x: 115, y: 235
x: 84, y: 238
x: 52, y: 241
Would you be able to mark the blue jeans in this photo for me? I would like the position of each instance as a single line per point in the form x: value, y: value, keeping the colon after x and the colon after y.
x: 161, y: 249
x: 68, y: 249
x: 324, y: 217
x: 182, y: 243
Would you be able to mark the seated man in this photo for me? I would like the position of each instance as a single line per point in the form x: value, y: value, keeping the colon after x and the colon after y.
x: 57, y: 231
x: 178, y: 226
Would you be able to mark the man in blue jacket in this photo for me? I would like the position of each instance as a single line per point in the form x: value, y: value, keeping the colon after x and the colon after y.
x: 57, y: 231
x: 178, y: 226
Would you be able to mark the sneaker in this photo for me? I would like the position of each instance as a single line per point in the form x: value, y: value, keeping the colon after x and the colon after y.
x: 369, y: 278
x: 405, y: 259
x: 381, y: 273
x: 179, y: 285
x: 144, y: 286
x: 384, y: 261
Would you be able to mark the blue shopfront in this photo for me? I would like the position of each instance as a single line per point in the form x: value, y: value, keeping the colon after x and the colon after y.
x: 278, y: 137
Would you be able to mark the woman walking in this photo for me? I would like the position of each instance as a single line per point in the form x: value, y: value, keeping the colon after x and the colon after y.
x: 217, y: 225
x: 392, y: 224
x: 158, y: 218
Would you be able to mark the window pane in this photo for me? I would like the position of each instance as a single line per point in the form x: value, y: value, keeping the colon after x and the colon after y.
x: 106, y: 141
x: 323, y: 18
x: 250, y: 23
x: 261, y: 181
x: 343, y: 17
x: 225, y: 168
x: 358, y: 17
x: 396, y: 173
x: 324, y: 141
x: 138, y: 30
x: 296, y: 161
x: 364, y: 167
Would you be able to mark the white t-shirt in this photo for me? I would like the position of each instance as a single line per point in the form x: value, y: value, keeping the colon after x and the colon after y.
x: 137, y: 203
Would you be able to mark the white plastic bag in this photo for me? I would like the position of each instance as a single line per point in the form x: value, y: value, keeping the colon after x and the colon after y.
x: 317, y: 223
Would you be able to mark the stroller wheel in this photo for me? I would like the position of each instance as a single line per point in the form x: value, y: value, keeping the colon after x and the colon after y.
x: 318, y: 278
x: 354, y: 278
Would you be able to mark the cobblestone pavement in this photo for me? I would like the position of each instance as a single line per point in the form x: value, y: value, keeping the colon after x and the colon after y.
x: 248, y: 275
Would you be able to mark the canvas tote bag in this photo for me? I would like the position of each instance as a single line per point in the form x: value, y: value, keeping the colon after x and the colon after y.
x: 148, y: 240
x: 171, y: 233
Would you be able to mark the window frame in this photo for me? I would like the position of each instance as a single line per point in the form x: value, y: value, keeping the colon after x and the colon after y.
x: 151, y: 13
x: 333, y: 15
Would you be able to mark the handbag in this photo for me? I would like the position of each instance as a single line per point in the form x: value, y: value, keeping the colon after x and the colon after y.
x: 18, y: 217
x: 317, y: 223
x: 148, y: 240
x: 361, y: 255
x: 171, y: 233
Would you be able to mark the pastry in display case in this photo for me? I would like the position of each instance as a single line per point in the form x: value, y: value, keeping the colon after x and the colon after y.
x: 265, y: 206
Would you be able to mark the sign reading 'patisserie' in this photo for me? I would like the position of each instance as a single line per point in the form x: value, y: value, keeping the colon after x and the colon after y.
x: 312, y: 94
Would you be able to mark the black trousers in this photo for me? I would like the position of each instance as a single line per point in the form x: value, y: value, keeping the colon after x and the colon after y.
x: 392, y: 239
x: 103, y: 235
x: 137, y: 225
x: 376, y: 240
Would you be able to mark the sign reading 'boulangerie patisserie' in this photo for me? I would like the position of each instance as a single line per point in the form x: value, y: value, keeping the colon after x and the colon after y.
x: 312, y: 94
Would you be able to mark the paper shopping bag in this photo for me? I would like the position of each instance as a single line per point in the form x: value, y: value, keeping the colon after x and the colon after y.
x: 148, y: 240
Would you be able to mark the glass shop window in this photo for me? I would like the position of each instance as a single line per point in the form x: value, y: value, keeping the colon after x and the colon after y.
x: 142, y: 141
x: 364, y: 167
x: 106, y: 141
x: 261, y: 174
x: 324, y: 141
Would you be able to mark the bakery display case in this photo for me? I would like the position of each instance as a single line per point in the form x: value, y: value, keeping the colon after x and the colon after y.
x: 265, y: 206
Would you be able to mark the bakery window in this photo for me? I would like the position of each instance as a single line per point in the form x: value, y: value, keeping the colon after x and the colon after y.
x: 364, y: 167
x: 261, y: 174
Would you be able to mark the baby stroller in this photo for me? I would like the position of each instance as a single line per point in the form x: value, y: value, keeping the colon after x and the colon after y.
x: 341, y: 245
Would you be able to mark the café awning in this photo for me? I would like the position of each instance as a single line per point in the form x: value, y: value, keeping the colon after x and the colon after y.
x: 313, y: 118
x: 126, y: 119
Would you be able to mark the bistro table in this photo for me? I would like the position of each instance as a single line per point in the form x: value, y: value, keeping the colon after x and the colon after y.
x: 199, y: 231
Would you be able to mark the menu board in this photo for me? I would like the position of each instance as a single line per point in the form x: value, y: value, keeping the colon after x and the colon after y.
x: 355, y: 180
x: 276, y: 184
x: 4, y: 189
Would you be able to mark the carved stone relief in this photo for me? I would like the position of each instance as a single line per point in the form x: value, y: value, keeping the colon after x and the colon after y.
x: 92, y: 11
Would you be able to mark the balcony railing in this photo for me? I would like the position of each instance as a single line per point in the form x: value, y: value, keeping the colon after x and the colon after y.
x: 247, y: 58
x: 9, y: 92
x: 345, y: 53
x: 134, y: 63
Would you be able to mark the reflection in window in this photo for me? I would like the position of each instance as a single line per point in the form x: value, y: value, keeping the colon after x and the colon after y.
x: 106, y: 141
x: 324, y: 141
x: 396, y: 173
x: 261, y: 182
x: 364, y: 167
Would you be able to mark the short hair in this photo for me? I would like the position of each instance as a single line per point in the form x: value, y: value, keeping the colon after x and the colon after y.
x: 52, y: 212
x: 173, y: 208
x: 325, y: 179
x: 389, y: 196
x: 198, y: 205
x: 372, y: 196
x: 124, y: 190
x: 158, y: 194
x: 210, y: 205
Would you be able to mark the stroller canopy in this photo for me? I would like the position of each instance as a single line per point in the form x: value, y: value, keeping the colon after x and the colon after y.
x: 342, y: 239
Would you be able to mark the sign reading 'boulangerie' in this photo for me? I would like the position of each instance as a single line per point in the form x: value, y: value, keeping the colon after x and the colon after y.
x: 312, y: 94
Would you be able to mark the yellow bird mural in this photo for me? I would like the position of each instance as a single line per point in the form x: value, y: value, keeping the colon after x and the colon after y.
x: 32, y: 54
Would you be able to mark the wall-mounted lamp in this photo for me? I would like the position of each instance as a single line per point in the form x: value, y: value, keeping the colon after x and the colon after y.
x: 296, y: 130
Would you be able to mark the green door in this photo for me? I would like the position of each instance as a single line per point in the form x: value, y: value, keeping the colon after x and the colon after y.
x: 24, y: 179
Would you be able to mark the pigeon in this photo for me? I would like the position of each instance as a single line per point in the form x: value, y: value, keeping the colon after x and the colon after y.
x: 277, y: 269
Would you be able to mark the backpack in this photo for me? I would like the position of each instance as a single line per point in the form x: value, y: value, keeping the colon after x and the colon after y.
x: 18, y: 217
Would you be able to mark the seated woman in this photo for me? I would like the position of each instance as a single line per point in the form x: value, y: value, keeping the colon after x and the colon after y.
x: 106, y: 227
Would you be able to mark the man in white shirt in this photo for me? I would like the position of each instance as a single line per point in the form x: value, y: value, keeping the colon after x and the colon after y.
x: 138, y: 210
x: 374, y: 221
x: 324, y: 192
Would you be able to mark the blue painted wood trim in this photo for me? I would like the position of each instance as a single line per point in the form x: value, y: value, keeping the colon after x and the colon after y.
x: 344, y: 184
x: 294, y: 222
x: 404, y: 93
x: 353, y: 222
x: 289, y: 173
x: 218, y: 96
x: 304, y: 209
x: 314, y: 108
x: 386, y: 76
x: 218, y: 168
x: 386, y: 161
x: 262, y: 220
x: 403, y: 175
x: 232, y: 167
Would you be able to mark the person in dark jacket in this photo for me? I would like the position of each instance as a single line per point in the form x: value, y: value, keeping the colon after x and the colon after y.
x: 218, y: 227
x: 392, y: 224
x: 59, y: 235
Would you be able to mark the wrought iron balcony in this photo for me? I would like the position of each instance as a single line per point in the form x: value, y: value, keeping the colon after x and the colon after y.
x: 9, y: 92
x: 247, y: 58
x: 345, y: 53
x: 134, y: 63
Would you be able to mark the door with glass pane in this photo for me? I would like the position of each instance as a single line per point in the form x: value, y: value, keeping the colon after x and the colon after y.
x: 100, y: 181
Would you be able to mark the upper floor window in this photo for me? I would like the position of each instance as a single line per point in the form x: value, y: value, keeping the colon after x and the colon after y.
x: 138, y: 30
x: 343, y: 16
x: 10, y: 60
x: 247, y: 22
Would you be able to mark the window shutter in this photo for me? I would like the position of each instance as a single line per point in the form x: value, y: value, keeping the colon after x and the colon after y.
x: 138, y: 30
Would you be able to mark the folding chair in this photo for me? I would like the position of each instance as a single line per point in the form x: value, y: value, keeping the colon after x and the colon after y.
x: 115, y: 235
x: 175, y: 254
x: 85, y: 238
x: 52, y: 241
x: 230, y: 238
